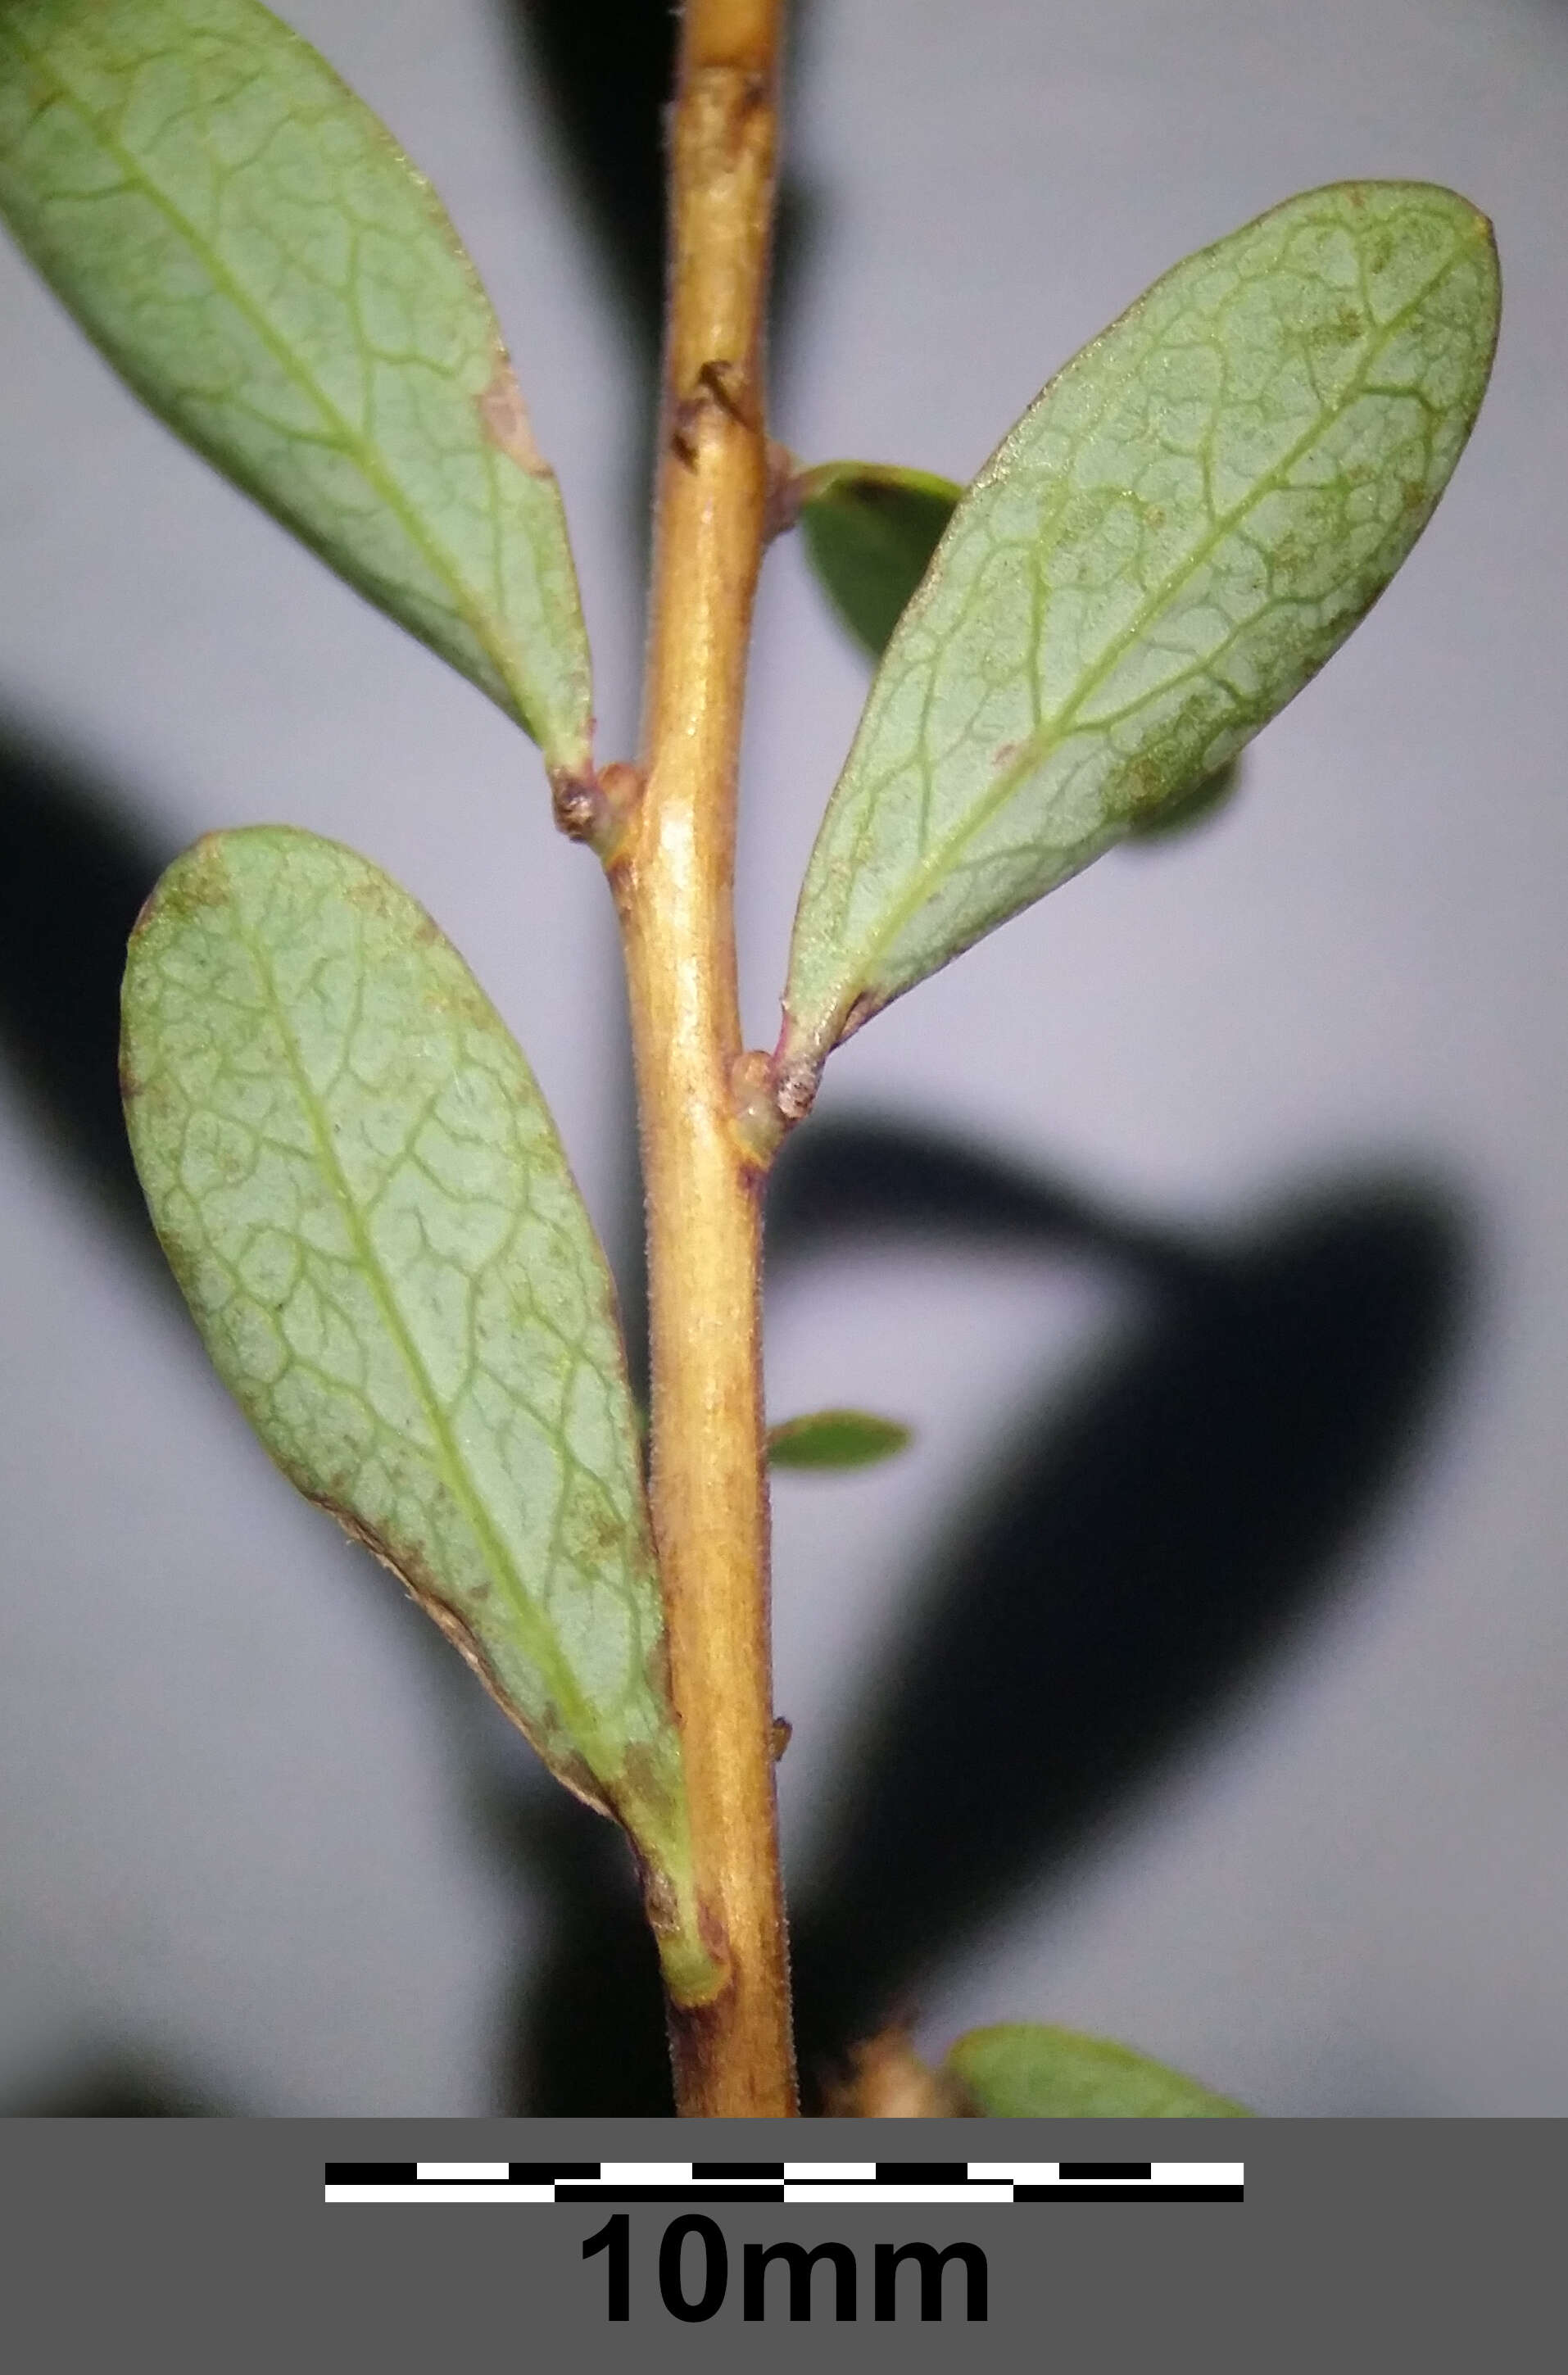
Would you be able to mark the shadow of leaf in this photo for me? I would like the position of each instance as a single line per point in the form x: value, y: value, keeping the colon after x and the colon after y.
x: 586, y: 2031
x: 864, y: 1182
x: 1138, y: 1546
x: 606, y: 70
x: 75, y: 869
x: 118, y: 2087
x: 1133, y: 1552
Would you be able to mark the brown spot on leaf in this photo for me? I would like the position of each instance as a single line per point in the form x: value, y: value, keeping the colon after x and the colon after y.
x: 590, y: 1530
x: 503, y: 417
x: 655, y: 1668
x: 1146, y: 784
x: 372, y: 892
x: 200, y: 878
x: 648, y: 1780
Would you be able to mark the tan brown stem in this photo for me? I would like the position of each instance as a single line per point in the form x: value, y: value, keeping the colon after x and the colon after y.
x: 673, y: 874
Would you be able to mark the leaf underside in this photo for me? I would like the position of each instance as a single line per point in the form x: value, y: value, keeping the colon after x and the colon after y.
x: 248, y: 246
x: 1021, y: 2072
x: 871, y: 530
x: 1171, y: 541
x: 363, y: 1198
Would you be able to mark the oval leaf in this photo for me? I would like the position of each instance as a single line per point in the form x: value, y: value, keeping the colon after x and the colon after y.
x: 363, y: 1195
x: 1175, y: 538
x: 871, y: 531
x: 249, y: 247
x: 1019, y: 2071
x: 835, y: 1438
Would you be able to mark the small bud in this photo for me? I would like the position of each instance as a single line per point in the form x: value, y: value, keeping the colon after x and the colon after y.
x: 594, y: 809
x: 758, y: 1123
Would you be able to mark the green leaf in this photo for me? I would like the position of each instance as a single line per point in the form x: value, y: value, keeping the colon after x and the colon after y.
x: 249, y: 247
x: 835, y: 1438
x: 1175, y: 538
x: 1019, y: 2072
x: 871, y: 531
x: 363, y: 1195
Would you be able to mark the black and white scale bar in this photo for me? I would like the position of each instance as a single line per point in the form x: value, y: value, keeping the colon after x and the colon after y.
x: 866, y: 2184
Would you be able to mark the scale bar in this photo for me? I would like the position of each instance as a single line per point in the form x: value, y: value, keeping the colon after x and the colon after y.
x: 863, y: 2185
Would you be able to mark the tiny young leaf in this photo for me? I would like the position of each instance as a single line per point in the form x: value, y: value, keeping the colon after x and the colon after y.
x: 363, y: 1198
x: 871, y: 531
x: 251, y: 251
x: 1172, y: 540
x: 1019, y: 2071
x: 835, y: 1438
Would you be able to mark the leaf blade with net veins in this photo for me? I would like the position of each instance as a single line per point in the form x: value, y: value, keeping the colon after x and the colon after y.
x: 1171, y: 541
x: 245, y: 242
x: 362, y: 1196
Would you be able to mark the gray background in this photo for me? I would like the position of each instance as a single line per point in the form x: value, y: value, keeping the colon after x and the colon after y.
x: 237, y: 1820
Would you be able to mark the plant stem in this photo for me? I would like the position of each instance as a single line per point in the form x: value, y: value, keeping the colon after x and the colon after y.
x: 673, y: 872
